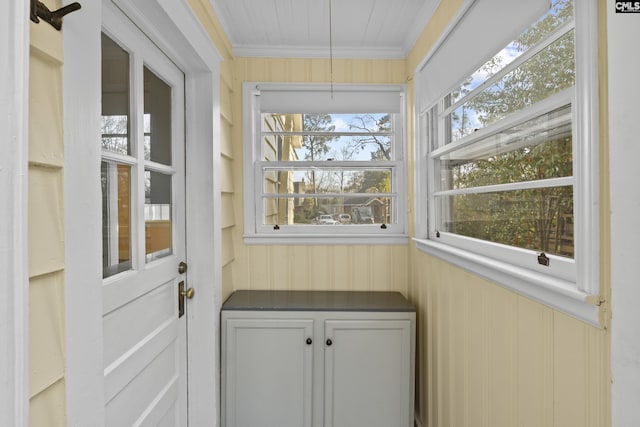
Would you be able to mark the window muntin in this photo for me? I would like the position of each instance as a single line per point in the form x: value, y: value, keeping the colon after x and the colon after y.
x: 116, y: 217
x: 157, y: 118
x: 560, y: 14
x: 318, y: 167
x: 116, y: 174
x: 327, y: 137
x: 537, y: 149
x: 567, y: 281
x: 547, y: 72
x: 137, y: 173
x: 332, y: 145
x: 501, y: 148
x: 157, y: 210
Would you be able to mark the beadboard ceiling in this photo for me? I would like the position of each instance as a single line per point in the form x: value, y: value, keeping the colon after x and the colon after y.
x: 300, y: 28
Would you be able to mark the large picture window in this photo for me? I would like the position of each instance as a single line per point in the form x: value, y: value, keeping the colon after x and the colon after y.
x: 326, y: 165
x: 507, y: 160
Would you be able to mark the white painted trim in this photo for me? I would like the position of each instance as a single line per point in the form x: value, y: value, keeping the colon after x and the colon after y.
x: 261, y: 96
x: 624, y: 93
x: 14, y: 286
x: 326, y: 239
x: 445, y: 34
x: 204, y: 246
x: 172, y: 25
x: 83, y: 232
x: 269, y: 51
x: 554, y: 292
x: 573, y: 287
x: 585, y: 127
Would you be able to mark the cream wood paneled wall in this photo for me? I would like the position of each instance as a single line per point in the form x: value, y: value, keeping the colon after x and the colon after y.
x: 46, y: 229
x: 488, y: 357
x: 228, y: 156
x: 291, y: 267
x: 312, y: 267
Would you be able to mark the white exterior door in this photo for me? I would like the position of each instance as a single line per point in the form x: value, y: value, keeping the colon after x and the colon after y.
x: 143, y: 223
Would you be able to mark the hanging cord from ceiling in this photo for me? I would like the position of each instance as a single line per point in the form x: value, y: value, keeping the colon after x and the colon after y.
x: 331, y: 45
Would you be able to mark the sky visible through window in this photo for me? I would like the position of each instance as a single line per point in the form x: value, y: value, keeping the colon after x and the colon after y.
x: 368, y: 138
x: 559, y: 13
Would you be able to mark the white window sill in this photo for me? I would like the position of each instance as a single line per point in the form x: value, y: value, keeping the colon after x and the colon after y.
x: 327, y: 239
x: 557, y: 293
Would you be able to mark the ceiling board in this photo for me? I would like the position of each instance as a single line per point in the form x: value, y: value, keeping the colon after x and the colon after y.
x: 300, y: 28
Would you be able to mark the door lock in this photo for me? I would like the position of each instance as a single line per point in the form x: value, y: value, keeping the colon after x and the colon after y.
x: 182, y: 293
x: 182, y: 267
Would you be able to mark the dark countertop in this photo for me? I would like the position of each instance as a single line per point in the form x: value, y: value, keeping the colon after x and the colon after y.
x: 317, y: 301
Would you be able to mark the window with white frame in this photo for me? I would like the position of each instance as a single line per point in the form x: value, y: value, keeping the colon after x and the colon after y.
x: 324, y: 163
x: 509, y: 182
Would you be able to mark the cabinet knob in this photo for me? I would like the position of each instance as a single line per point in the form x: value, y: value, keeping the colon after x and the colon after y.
x: 329, y: 342
x: 309, y: 341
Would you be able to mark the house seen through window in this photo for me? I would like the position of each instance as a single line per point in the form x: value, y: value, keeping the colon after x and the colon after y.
x: 320, y: 171
x: 308, y: 194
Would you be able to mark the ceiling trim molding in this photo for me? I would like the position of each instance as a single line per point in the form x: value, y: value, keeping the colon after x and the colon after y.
x: 411, y: 29
x: 270, y: 51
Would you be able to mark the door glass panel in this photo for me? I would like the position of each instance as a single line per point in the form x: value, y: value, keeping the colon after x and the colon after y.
x: 157, y: 215
x: 115, y: 98
x: 116, y: 218
x: 157, y: 119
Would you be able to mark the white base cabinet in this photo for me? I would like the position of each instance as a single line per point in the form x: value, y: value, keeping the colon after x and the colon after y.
x: 312, y: 359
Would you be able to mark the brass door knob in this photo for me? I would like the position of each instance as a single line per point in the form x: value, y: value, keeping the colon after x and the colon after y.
x: 188, y: 293
x: 182, y: 267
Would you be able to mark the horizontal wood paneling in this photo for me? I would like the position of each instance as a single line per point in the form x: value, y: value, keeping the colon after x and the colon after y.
x: 226, y: 144
x: 46, y: 221
x: 228, y: 255
x: 48, y: 407
x: 46, y: 332
x: 45, y: 111
x: 47, y: 352
x: 227, y: 281
x: 226, y: 72
x: 228, y: 211
x: 225, y: 103
x: 226, y: 175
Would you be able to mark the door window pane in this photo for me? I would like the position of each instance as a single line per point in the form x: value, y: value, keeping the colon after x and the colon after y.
x: 157, y: 215
x: 157, y: 119
x: 115, y: 98
x: 116, y: 218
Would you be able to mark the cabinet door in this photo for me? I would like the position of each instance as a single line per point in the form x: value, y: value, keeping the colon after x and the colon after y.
x: 267, y: 373
x: 367, y: 373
